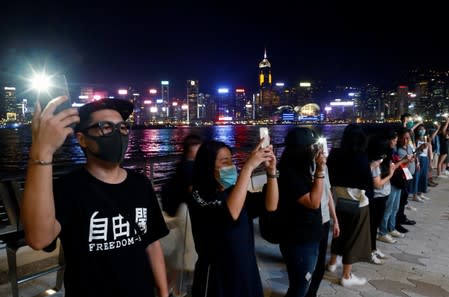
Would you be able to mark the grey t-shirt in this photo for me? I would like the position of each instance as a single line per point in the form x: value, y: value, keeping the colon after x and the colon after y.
x: 403, y: 152
x: 385, y: 190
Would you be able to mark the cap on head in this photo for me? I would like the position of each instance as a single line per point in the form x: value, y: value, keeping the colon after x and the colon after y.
x: 123, y: 107
x: 301, y: 136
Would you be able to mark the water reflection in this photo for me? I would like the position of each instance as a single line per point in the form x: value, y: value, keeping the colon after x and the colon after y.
x: 147, y: 144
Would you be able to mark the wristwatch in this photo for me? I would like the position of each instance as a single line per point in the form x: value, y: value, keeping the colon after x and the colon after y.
x: 276, y: 175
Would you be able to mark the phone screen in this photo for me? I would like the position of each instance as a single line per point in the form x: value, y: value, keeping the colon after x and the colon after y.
x: 58, y: 87
x: 323, y: 143
x: 263, y: 131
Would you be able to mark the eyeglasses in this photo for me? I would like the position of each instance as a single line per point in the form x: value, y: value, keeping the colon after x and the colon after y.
x: 107, y: 128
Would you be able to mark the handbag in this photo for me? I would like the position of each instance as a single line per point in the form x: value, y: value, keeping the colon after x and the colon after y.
x: 347, y: 206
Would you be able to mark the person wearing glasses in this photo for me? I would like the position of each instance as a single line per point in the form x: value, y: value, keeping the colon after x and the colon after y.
x: 107, y: 218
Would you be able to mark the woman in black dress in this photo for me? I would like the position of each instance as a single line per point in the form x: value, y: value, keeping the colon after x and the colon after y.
x: 222, y: 212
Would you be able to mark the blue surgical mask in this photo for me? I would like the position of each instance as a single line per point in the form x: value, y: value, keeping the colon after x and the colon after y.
x: 409, y: 124
x: 422, y: 132
x: 228, y: 176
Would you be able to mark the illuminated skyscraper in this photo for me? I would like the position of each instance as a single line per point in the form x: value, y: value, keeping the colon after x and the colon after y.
x: 265, y: 73
x: 192, y: 100
x: 240, y: 104
x: 225, y: 104
x: 372, y: 109
x: 268, y: 100
x: 8, y: 106
x: 165, y: 91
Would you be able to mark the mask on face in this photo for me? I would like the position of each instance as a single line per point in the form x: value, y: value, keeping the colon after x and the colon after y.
x: 409, y: 124
x: 422, y: 132
x: 228, y: 176
x: 111, y: 148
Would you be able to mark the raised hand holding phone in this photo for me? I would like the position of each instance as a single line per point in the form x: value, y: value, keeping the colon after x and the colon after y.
x: 50, y: 87
x: 263, y: 131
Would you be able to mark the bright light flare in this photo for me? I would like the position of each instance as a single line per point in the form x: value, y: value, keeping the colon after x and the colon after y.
x: 321, y: 140
x: 41, y: 82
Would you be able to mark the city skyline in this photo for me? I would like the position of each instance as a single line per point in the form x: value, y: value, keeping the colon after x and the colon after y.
x: 217, y: 45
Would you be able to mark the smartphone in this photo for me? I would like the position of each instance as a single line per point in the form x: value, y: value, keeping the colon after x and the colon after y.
x: 263, y: 131
x: 323, y: 143
x: 58, y: 87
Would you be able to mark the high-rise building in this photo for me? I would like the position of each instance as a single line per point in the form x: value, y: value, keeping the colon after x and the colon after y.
x: 241, y: 101
x: 203, y: 100
x: 265, y: 73
x: 165, y: 90
x: 9, y: 108
x: 373, y: 107
x: 397, y: 102
x: 268, y: 100
x: 192, y: 100
x: 225, y: 103
x: 431, y: 92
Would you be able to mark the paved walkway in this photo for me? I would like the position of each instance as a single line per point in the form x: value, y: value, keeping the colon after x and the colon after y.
x: 418, y: 264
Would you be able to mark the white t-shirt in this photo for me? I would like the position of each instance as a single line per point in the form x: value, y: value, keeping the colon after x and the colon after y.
x: 325, y: 198
x: 351, y: 193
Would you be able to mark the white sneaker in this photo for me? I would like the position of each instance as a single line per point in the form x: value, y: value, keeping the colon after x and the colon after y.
x: 352, y: 281
x: 376, y: 260
x: 380, y: 255
x: 442, y: 176
x: 331, y: 267
x: 396, y: 233
x: 446, y: 172
x: 409, y: 207
x: 416, y: 198
x: 423, y: 197
x: 386, y: 238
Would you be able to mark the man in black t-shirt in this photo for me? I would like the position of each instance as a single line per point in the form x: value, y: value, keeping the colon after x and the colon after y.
x: 108, y: 218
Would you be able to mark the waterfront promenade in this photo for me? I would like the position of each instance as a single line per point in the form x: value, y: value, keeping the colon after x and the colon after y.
x: 418, y: 265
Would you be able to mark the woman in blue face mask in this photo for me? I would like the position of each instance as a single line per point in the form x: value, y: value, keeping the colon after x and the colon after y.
x: 222, y: 212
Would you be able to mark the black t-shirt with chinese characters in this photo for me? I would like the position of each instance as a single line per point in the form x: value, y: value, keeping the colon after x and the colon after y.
x: 104, y: 254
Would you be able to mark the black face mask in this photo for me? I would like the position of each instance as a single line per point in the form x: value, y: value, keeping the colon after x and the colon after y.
x: 111, y: 148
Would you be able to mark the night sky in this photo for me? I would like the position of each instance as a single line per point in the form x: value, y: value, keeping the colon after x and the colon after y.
x: 140, y: 45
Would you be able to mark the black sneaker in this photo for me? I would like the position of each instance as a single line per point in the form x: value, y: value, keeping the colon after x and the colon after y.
x: 401, y: 229
x: 408, y: 222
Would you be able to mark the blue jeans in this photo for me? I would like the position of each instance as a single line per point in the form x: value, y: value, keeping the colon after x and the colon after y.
x: 420, y: 180
x: 388, y: 222
x: 301, y: 261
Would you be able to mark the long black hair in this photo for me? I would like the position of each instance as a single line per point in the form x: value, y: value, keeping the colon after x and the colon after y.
x: 204, y: 180
x: 298, y: 153
x: 298, y: 158
x: 354, y: 139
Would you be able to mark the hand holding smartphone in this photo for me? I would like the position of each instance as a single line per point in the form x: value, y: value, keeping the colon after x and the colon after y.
x: 323, y: 144
x: 58, y: 87
x: 263, y: 132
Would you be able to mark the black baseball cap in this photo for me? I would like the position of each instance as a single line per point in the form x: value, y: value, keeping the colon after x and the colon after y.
x: 123, y: 107
x: 301, y: 136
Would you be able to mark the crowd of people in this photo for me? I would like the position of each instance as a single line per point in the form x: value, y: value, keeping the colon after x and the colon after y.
x: 110, y: 222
